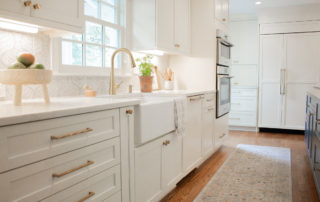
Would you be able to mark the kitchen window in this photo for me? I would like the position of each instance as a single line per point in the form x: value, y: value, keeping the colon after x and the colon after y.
x: 91, y: 51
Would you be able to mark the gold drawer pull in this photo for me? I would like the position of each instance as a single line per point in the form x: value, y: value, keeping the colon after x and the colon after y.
x: 90, y: 194
x: 129, y: 111
x: 36, y: 6
x: 71, y: 134
x: 27, y: 3
x: 195, y: 98
x: 72, y: 170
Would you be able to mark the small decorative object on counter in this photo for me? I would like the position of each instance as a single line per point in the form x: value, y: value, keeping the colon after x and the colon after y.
x: 24, y: 72
x: 146, y: 69
x: 89, y: 92
x: 168, y: 79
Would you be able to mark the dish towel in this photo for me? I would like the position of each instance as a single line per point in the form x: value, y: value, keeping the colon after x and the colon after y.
x: 180, y: 114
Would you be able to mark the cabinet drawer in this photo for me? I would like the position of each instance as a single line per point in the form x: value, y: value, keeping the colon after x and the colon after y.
x: 210, y: 100
x: 244, y: 104
x: 243, y: 119
x: 42, y: 179
x: 101, y: 187
x: 31, y: 142
x: 243, y: 92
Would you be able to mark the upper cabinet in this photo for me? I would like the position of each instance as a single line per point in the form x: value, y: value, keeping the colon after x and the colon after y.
x: 57, y: 14
x: 161, y: 25
x: 222, y: 14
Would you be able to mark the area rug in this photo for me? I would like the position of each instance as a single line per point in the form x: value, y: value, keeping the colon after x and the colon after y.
x: 252, y: 173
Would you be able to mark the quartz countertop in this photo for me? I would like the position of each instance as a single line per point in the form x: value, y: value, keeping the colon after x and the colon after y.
x: 35, y: 110
x: 182, y: 92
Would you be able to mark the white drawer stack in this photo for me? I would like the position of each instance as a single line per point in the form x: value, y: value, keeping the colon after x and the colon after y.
x: 243, y: 107
x: 63, y: 159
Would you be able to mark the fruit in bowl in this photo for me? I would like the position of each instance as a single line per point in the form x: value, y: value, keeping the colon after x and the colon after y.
x: 18, y: 65
x: 26, y: 61
x: 26, y: 58
x: 37, y: 66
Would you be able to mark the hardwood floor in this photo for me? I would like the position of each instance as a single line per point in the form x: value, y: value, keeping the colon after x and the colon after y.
x: 303, y: 187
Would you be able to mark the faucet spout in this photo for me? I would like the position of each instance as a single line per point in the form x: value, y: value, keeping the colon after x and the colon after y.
x: 113, y: 87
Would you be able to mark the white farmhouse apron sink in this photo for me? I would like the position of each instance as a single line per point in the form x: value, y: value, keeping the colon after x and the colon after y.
x: 153, y: 117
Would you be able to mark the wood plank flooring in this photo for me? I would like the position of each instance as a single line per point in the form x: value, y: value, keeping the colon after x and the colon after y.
x: 303, y: 187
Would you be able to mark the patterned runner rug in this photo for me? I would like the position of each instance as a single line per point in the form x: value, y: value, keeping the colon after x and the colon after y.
x: 252, y: 173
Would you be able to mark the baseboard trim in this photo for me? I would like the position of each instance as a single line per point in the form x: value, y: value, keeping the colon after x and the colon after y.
x: 279, y: 130
x: 243, y: 128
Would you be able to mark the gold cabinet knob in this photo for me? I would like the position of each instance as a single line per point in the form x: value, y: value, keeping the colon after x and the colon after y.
x: 129, y: 111
x: 177, y: 45
x: 165, y: 143
x: 36, y: 6
x: 27, y: 3
x: 223, y: 19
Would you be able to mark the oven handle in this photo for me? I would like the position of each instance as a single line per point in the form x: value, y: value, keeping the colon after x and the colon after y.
x: 229, y: 77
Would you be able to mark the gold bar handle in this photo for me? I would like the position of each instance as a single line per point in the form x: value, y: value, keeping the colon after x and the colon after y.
x: 129, y: 111
x: 27, y: 3
x: 72, y: 170
x: 195, y: 98
x: 90, y: 194
x: 71, y: 134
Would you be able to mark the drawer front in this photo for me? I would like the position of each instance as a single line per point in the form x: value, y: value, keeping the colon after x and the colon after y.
x: 31, y: 142
x: 42, y: 179
x: 210, y: 100
x: 243, y: 119
x: 102, y: 187
x: 243, y: 93
x: 244, y: 104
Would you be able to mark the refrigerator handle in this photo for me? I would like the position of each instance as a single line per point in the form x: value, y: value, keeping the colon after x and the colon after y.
x: 282, y: 81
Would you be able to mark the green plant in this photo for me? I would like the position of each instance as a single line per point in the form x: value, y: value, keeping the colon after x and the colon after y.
x: 145, y: 66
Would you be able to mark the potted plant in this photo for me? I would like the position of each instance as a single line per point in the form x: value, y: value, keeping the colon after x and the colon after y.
x: 146, y: 69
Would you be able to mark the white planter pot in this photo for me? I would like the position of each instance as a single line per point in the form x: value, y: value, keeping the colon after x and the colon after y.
x: 168, y: 85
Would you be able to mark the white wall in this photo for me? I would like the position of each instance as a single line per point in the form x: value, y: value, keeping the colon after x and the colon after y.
x: 198, y: 71
x: 289, y: 14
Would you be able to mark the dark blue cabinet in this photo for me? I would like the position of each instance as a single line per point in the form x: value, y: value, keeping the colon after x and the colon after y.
x: 312, y: 136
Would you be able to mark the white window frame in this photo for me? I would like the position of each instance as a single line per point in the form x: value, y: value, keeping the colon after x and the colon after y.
x: 56, y: 48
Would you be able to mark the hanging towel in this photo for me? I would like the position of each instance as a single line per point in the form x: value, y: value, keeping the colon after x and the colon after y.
x: 180, y: 114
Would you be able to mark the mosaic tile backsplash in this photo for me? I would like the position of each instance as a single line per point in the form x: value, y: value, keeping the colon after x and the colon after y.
x: 12, y: 44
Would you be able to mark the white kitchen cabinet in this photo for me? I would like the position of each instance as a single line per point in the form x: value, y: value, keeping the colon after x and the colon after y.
x: 147, y: 169
x: 208, y: 125
x: 162, y: 25
x: 158, y: 167
x: 243, y: 113
x: 171, y: 161
x: 192, y: 141
x: 289, y: 67
x: 221, y: 130
x: 222, y: 14
x: 59, y: 14
x: 182, y: 26
x: 244, y: 35
x: 68, y: 158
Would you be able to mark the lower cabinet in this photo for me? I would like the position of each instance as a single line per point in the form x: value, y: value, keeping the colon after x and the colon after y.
x: 158, y: 167
x: 208, y: 114
x: 90, y: 165
x: 101, y: 187
x: 192, y: 140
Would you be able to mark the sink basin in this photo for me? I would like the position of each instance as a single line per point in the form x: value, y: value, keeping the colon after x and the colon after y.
x: 154, y: 116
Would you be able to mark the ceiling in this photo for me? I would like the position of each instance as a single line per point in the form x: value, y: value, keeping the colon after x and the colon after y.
x: 249, y: 6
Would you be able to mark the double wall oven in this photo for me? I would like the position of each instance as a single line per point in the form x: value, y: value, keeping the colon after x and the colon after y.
x: 223, y: 75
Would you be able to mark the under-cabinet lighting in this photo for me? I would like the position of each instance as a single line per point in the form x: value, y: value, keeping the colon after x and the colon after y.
x: 18, y: 26
x: 153, y: 52
x: 258, y: 2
